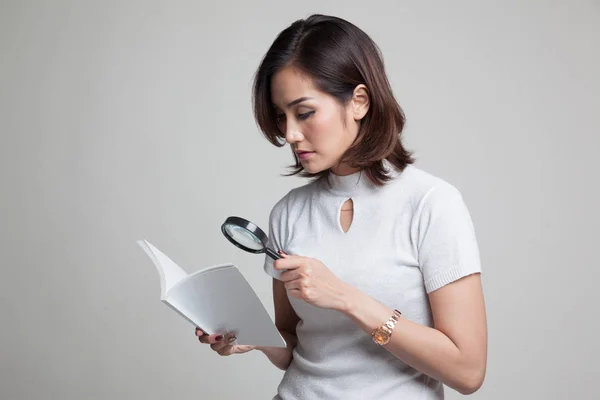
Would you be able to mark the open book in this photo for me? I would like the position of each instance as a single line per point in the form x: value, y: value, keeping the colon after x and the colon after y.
x: 217, y: 299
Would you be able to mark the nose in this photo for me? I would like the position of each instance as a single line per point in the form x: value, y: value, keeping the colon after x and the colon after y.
x: 292, y: 134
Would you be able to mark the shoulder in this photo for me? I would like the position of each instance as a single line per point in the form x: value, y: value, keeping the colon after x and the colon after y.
x: 291, y: 199
x: 424, y: 189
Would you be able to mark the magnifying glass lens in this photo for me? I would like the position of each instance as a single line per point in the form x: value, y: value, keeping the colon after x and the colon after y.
x: 243, y: 237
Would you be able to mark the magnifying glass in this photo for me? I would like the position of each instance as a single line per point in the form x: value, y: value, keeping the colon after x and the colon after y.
x: 247, y: 236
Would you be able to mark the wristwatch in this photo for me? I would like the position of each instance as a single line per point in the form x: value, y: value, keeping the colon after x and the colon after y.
x: 382, y: 334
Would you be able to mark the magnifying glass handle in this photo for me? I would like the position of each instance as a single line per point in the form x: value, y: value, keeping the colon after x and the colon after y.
x: 272, y: 254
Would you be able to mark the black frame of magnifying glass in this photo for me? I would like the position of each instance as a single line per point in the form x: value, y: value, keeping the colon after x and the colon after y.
x: 252, y: 228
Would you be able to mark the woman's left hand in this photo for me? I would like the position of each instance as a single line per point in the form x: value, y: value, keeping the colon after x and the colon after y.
x: 310, y: 280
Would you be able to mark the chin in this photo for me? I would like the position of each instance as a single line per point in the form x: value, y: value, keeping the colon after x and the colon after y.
x: 312, y: 168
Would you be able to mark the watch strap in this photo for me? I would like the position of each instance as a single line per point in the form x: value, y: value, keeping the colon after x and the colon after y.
x: 381, y: 335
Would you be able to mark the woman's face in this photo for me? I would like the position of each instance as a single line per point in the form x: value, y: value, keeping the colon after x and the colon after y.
x: 315, y: 125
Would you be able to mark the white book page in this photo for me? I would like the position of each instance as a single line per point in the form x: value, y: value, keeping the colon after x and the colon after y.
x: 220, y: 300
x: 170, y: 273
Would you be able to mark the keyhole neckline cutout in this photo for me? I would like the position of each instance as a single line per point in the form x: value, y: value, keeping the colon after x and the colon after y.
x: 346, y: 215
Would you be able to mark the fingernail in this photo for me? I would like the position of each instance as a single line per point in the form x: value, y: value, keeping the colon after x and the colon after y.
x: 219, y: 338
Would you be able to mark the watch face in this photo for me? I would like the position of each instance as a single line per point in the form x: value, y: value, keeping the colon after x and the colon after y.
x: 381, y: 336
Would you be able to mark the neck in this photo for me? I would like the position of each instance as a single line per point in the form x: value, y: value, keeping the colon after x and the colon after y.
x: 343, y: 170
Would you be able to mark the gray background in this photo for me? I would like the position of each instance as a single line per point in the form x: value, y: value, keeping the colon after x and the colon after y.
x: 123, y: 120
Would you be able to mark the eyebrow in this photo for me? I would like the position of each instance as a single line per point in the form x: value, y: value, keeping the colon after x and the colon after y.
x: 299, y: 100
x: 293, y: 103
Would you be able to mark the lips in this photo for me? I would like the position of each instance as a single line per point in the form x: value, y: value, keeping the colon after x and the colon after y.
x: 302, y: 154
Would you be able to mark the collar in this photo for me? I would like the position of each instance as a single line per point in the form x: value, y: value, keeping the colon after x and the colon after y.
x: 355, y: 184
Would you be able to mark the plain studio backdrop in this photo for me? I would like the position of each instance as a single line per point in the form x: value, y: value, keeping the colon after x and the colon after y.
x: 123, y: 120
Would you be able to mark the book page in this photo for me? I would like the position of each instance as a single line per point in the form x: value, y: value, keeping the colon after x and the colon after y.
x: 220, y: 300
x: 170, y: 273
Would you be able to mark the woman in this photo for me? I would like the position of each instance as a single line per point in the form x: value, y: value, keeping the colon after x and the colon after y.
x: 378, y: 292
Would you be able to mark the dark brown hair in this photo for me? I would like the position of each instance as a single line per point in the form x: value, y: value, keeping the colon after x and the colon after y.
x: 338, y: 56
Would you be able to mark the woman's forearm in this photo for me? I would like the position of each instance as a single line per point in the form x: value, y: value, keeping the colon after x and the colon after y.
x: 422, y: 347
x: 281, y: 357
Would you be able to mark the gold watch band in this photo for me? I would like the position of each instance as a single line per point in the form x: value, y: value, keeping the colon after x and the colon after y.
x: 382, y: 334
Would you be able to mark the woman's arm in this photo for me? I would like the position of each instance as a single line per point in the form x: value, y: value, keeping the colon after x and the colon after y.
x: 454, y: 351
x: 286, y: 321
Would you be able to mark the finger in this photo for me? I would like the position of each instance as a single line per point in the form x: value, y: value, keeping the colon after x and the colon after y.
x: 289, y: 275
x: 230, y: 338
x: 211, y: 339
x: 296, y: 284
x: 295, y: 293
x: 226, y: 350
x: 218, y: 346
x: 199, y: 332
x: 289, y: 262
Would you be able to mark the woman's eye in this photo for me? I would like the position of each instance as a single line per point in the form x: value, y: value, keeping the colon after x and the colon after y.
x: 305, y: 115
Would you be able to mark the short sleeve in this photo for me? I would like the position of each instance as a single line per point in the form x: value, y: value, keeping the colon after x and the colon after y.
x: 447, y: 245
x: 276, y: 234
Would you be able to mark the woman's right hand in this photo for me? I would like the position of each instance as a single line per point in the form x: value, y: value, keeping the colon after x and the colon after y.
x: 222, y: 344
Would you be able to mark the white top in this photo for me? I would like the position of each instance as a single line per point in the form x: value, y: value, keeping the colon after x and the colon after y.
x: 408, y: 238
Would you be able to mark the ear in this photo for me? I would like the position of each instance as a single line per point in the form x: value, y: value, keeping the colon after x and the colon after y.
x: 360, y: 102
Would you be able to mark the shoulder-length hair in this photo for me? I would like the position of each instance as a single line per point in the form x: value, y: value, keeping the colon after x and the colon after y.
x: 338, y: 56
